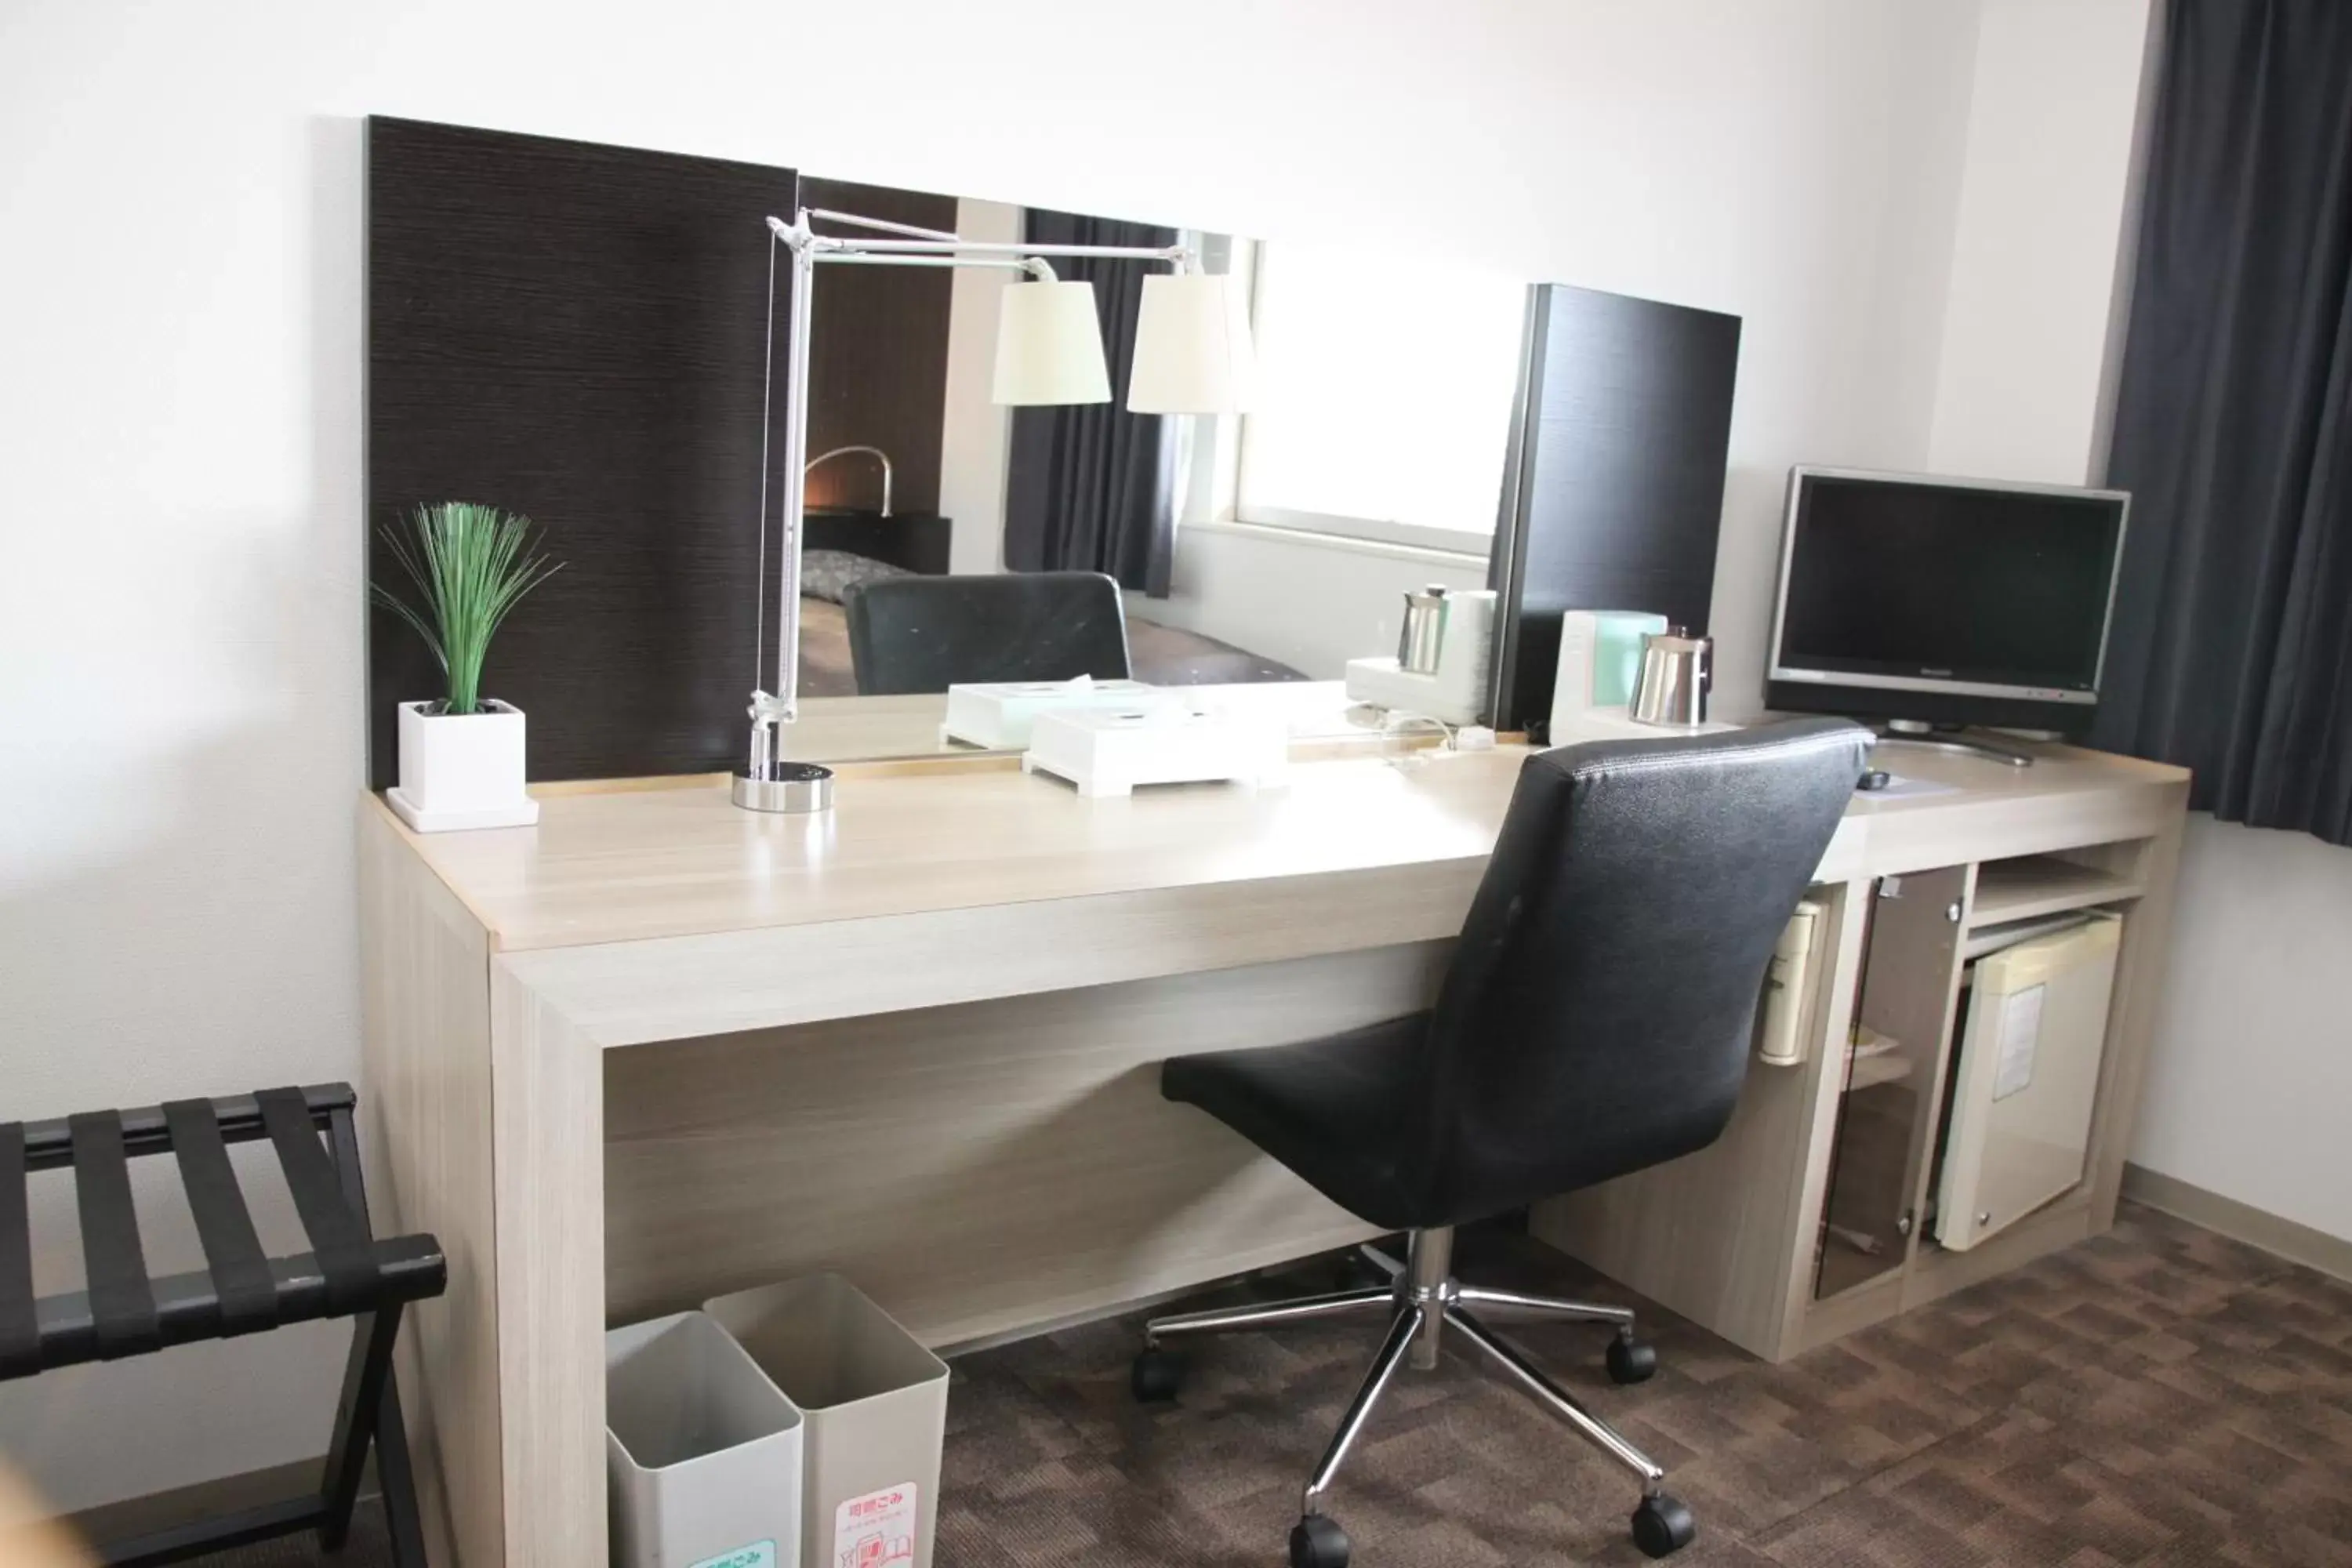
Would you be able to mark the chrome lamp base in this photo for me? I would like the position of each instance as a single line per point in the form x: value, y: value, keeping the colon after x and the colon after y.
x: 795, y: 787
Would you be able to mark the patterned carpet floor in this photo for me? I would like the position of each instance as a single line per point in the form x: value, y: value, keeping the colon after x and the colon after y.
x: 2157, y: 1396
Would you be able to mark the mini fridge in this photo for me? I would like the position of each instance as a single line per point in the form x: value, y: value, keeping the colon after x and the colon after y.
x: 2026, y: 1080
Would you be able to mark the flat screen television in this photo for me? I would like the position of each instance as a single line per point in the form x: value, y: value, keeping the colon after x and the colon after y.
x: 1923, y: 600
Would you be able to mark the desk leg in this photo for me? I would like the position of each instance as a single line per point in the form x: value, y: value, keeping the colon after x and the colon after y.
x: 2131, y: 1020
x: 548, y: 1105
x: 424, y: 995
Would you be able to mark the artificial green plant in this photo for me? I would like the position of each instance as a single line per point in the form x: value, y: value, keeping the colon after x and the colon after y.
x: 470, y: 563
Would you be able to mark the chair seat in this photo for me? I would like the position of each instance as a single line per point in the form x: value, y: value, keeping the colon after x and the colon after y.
x: 1331, y: 1109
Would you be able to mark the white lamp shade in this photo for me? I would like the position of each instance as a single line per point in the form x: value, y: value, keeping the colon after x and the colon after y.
x: 1193, y: 349
x: 1049, y: 346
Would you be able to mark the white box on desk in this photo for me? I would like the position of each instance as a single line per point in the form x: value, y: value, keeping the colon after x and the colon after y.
x: 998, y: 713
x: 1109, y: 751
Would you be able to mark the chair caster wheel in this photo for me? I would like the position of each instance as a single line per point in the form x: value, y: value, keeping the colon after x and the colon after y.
x: 1661, y: 1525
x: 1316, y: 1541
x: 1632, y: 1361
x: 1157, y: 1376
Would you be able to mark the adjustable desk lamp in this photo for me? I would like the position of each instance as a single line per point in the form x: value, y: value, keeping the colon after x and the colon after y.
x: 1192, y: 357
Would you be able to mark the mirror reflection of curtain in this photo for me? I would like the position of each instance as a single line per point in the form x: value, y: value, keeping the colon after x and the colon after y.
x: 1090, y: 487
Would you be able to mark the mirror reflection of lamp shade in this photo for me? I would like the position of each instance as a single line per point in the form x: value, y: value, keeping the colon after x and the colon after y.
x: 1049, y: 346
x: 1192, y: 348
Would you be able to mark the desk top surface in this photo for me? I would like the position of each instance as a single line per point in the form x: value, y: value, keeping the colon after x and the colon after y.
x: 676, y: 858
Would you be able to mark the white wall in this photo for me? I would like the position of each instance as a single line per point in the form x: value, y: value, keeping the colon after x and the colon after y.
x: 2251, y: 1073
x: 2029, y: 253
x: 2042, y: 197
x: 975, y: 432
x: 180, y: 615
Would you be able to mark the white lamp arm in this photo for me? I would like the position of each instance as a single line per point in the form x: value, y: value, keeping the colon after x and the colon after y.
x: 798, y: 235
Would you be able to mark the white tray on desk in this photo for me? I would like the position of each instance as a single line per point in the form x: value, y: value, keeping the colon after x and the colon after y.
x: 1109, y: 751
x: 998, y: 714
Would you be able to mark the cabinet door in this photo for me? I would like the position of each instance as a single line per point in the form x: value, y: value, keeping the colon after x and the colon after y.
x: 1886, y: 1114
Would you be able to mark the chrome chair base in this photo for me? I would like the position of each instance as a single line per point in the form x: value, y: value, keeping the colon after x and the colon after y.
x: 1422, y: 1299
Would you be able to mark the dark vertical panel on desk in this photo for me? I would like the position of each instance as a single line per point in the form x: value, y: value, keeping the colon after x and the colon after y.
x: 1625, y: 426
x: 878, y: 355
x: 577, y: 332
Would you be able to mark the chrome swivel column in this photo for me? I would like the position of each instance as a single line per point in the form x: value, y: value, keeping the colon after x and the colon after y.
x: 1428, y: 1281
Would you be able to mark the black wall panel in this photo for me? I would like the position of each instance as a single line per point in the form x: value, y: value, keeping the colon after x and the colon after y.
x: 1625, y: 430
x: 577, y: 332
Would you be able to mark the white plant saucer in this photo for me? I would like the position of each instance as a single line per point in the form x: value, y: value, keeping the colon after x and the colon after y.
x: 522, y: 815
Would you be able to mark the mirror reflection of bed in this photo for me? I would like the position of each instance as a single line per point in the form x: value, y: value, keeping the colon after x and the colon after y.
x: 918, y: 471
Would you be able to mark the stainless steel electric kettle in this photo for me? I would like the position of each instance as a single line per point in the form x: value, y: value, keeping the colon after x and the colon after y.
x: 1672, y: 685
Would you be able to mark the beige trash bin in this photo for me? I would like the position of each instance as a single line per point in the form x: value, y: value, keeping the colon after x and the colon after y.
x: 874, y: 1404
x: 702, y: 1453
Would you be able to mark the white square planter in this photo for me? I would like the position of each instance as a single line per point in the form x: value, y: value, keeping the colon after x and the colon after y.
x: 461, y: 771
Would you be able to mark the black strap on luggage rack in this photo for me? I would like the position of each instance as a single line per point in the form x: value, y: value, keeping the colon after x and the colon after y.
x: 126, y: 1311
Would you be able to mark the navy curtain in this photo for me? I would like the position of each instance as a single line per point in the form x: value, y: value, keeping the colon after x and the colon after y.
x: 2231, y: 649
x: 1092, y: 487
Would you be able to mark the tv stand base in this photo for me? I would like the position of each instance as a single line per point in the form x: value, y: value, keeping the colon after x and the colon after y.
x: 1912, y: 732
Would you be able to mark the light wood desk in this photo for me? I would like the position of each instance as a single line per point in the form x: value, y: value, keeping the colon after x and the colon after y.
x: 656, y: 1048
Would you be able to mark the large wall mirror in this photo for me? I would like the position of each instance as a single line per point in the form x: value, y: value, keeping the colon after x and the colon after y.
x: 589, y: 335
x: 1266, y: 547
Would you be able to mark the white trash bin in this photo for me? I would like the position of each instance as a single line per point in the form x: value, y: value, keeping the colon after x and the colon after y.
x: 702, y: 1452
x: 875, y: 1407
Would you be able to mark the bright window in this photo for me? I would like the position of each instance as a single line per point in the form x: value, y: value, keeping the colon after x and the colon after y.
x: 1384, y: 397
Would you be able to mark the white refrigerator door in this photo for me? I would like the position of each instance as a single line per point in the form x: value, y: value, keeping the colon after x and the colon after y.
x: 2027, y: 1082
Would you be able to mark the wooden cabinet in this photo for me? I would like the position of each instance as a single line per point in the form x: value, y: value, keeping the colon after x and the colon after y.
x: 1816, y: 1213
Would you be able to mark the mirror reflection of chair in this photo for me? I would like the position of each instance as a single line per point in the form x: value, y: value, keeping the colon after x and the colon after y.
x: 1594, y: 1021
x: 918, y: 634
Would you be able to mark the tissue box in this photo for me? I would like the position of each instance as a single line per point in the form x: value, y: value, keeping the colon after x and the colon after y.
x: 1109, y: 751
x: 998, y: 714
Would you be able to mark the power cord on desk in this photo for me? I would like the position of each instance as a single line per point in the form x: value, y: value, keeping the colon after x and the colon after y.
x: 1459, y: 738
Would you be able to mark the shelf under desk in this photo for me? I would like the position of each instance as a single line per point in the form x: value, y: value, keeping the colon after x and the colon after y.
x: 656, y: 1044
x: 2036, y: 884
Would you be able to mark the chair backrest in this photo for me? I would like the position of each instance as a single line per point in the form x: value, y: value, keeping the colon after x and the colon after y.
x: 918, y: 634
x: 1596, y: 1018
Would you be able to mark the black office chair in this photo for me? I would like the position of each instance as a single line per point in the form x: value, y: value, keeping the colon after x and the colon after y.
x: 1595, y: 1022
x: 918, y: 634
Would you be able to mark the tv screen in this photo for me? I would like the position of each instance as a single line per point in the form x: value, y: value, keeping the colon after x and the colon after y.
x: 1946, y: 588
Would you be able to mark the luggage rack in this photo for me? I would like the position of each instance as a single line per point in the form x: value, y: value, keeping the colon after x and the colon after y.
x: 124, y: 1311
